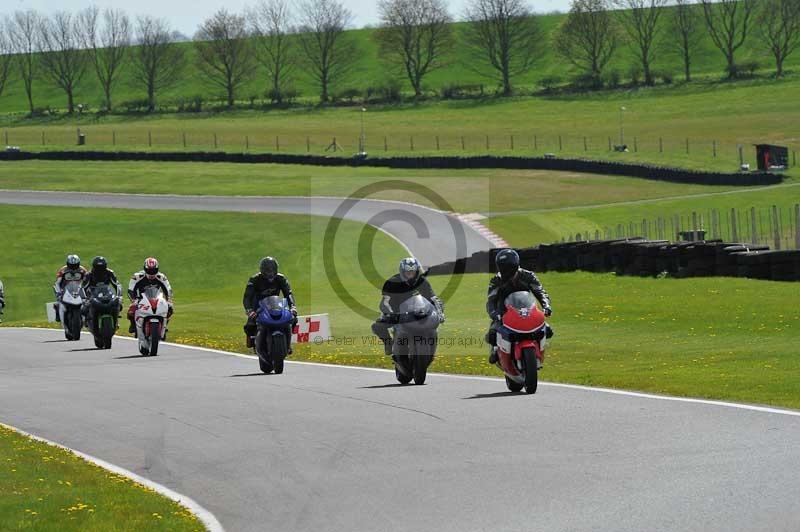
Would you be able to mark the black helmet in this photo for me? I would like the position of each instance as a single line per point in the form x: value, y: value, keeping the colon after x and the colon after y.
x: 410, y: 269
x: 507, y: 262
x: 268, y: 267
x: 99, y: 264
x: 73, y: 262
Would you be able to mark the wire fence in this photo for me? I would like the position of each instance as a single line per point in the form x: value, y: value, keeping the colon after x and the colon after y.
x: 708, y: 152
x: 777, y: 227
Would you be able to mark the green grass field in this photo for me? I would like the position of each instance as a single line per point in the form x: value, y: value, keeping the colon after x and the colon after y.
x: 524, y: 229
x: 371, y: 71
x: 659, y: 119
x: 47, y: 488
x: 631, y: 333
x: 527, y: 207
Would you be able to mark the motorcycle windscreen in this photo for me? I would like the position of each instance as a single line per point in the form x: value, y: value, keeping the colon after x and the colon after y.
x: 419, y: 313
x: 273, y: 304
x: 152, y: 292
x: 103, y: 292
x: 73, y: 288
x: 520, y: 300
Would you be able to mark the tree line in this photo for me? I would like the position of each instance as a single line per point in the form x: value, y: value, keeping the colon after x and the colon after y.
x: 278, y: 40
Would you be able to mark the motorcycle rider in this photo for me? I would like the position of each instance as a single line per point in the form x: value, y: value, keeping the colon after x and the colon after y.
x: 408, y: 282
x: 99, y: 274
x: 267, y: 282
x: 71, y: 271
x: 510, y: 278
x: 148, y: 276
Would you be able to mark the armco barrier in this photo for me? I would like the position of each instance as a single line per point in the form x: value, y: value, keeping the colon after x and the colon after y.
x: 637, y: 256
x: 644, y: 171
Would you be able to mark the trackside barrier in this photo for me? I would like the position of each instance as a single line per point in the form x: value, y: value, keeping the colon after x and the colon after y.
x: 644, y: 171
x: 638, y: 256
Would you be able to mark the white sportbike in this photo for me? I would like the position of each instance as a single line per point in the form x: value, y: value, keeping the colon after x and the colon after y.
x: 69, y: 310
x: 151, y: 316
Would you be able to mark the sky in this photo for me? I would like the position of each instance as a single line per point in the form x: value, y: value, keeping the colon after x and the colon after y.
x: 186, y: 15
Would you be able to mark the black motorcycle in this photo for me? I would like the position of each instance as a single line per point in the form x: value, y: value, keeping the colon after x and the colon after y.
x: 104, y: 308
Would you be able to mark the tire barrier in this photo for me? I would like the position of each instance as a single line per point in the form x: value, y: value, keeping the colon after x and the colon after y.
x: 647, y: 258
x: 644, y: 171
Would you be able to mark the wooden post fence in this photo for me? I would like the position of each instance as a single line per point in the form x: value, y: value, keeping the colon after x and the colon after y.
x: 385, y: 143
x: 411, y: 142
x: 660, y: 145
x: 714, y: 147
x: 184, y: 139
x: 215, y: 140
x: 753, y: 227
x: 734, y: 226
x: 797, y: 226
x: 437, y: 142
x: 113, y: 137
x: 776, y: 227
x: 149, y: 138
x: 559, y: 143
x: 512, y: 142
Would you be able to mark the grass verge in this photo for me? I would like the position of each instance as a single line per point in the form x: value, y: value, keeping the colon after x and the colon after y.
x: 43, y: 487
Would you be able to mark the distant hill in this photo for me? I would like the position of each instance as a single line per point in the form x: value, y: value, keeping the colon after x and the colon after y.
x: 371, y: 71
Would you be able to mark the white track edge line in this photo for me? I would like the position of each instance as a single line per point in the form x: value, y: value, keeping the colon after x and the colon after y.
x: 207, y: 518
x: 611, y: 391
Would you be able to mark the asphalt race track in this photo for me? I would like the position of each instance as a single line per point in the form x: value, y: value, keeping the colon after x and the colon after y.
x: 345, y: 449
x: 431, y: 235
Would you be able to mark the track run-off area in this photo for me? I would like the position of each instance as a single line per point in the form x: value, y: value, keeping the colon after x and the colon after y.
x: 341, y: 448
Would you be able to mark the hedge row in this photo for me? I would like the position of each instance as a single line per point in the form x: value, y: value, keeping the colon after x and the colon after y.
x: 677, y: 175
x: 637, y: 256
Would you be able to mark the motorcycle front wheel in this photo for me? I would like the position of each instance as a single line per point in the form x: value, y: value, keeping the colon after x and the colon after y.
x: 531, y: 371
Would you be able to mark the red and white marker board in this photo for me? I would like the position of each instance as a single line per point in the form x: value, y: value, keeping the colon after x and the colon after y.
x: 315, y: 328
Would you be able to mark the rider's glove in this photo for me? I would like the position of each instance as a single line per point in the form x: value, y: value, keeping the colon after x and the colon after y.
x: 497, y: 315
x: 294, y: 312
x: 251, y: 314
x: 548, y: 312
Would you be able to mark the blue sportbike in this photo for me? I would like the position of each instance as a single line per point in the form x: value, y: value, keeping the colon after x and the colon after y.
x: 274, y: 320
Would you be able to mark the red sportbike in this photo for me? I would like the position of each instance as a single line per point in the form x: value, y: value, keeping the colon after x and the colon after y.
x: 521, y: 342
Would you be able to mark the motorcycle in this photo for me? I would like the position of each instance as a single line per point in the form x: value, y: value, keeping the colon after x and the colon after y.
x: 151, y: 318
x: 104, y: 306
x: 271, y: 344
x: 69, y: 310
x: 415, y: 339
x: 521, y: 342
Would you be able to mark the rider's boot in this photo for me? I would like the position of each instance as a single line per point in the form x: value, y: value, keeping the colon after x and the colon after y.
x: 493, y: 357
x: 387, y: 347
x: 132, y: 327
